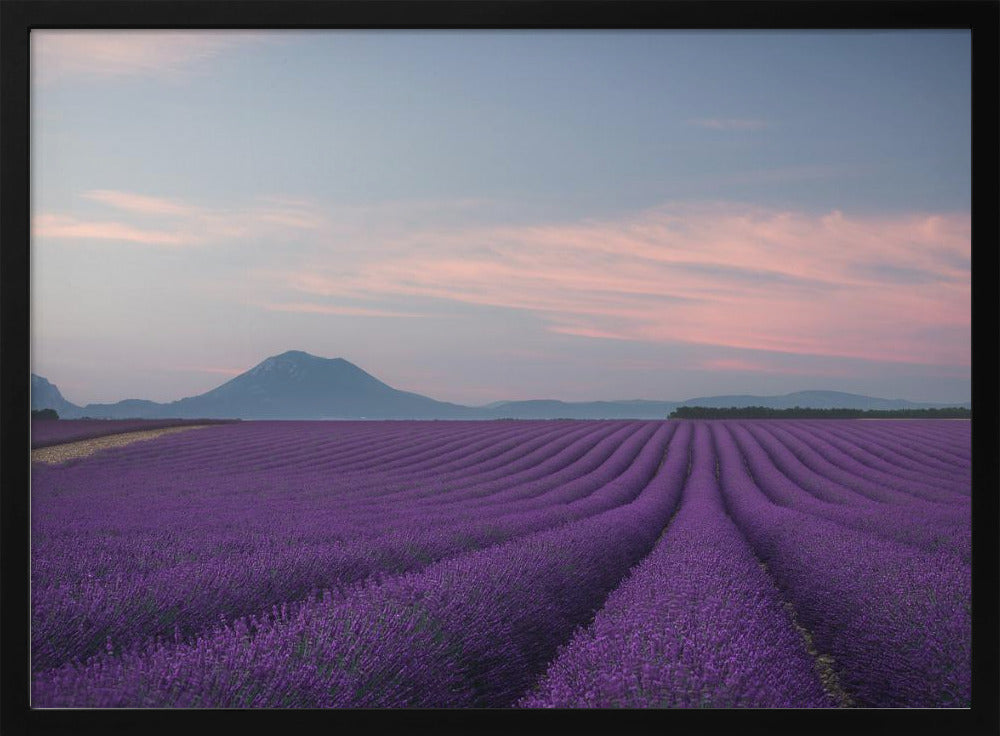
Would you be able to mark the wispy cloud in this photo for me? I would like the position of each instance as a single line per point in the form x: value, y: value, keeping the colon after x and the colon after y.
x: 139, y: 203
x: 712, y: 274
x: 728, y: 123
x: 187, y: 224
x: 65, y: 227
x: 102, y: 54
x: 884, y: 288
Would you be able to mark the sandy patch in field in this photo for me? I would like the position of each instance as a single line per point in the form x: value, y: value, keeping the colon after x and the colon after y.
x: 83, y: 448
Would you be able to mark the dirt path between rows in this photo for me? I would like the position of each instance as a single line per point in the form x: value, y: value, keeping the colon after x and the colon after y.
x: 83, y: 448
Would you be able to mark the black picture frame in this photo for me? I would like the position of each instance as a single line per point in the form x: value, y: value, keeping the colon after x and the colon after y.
x: 18, y: 17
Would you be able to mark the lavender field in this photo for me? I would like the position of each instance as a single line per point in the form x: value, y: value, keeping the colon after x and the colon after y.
x: 743, y: 563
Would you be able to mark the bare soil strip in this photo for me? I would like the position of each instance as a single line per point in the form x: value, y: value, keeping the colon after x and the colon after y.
x: 83, y: 448
x: 823, y: 663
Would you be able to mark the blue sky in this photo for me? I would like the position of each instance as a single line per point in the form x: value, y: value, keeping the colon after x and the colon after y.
x: 504, y: 215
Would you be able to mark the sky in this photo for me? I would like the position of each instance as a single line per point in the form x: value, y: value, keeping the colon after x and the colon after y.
x: 496, y: 215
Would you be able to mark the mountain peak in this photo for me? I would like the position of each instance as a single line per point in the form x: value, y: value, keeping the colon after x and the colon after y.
x: 295, y: 355
x: 301, y: 356
x: 294, y: 362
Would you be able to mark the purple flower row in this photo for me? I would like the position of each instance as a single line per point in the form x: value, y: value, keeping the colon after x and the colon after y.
x: 896, y: 621
x: 697, y: 624
x: 787, y: 482
x: 898, y: 461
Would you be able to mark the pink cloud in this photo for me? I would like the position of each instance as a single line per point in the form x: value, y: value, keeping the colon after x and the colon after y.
x: 140, y: 203
x: 55, y: 226
x: 265, y: 219
x: 713, y: 274
x: 885, y: 288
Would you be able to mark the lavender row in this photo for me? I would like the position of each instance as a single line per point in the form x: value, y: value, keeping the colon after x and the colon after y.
x: 571, y: 474
x: 787, y: 482
x: 46, y: 433
x: 433, y: 445
x: 949, y: 440
x: 844, y: 469
x: 472, y: 631
x: 301, y: 443
x: 514, y: 468
x: 255, y: 565
x: 698, y: 623
x: 898, y: 461
x: 896, y: 621
x: 316, y: 462
x: 530, y: 476
x: 132, y: 469
x: 899, y: 452
x: 890, y: 466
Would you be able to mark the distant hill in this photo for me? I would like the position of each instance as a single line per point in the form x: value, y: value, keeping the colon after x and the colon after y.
x: 297, y: 385
x: 641, y: 409
x: 45, y: 395
x: 293, y: 385
x: 814, y: 400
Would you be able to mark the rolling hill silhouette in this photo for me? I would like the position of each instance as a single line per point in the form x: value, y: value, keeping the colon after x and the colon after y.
x: 297, y: 385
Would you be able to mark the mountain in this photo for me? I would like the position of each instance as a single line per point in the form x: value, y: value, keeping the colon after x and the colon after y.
x: 293, y: 385
x: 297, y: 385
x: 300, y: 385
x: 45, y: 395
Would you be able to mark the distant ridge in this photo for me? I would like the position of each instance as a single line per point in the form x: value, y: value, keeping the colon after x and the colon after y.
x: 45, y: 395
x: 297, y: 385
x: 814, y: 400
